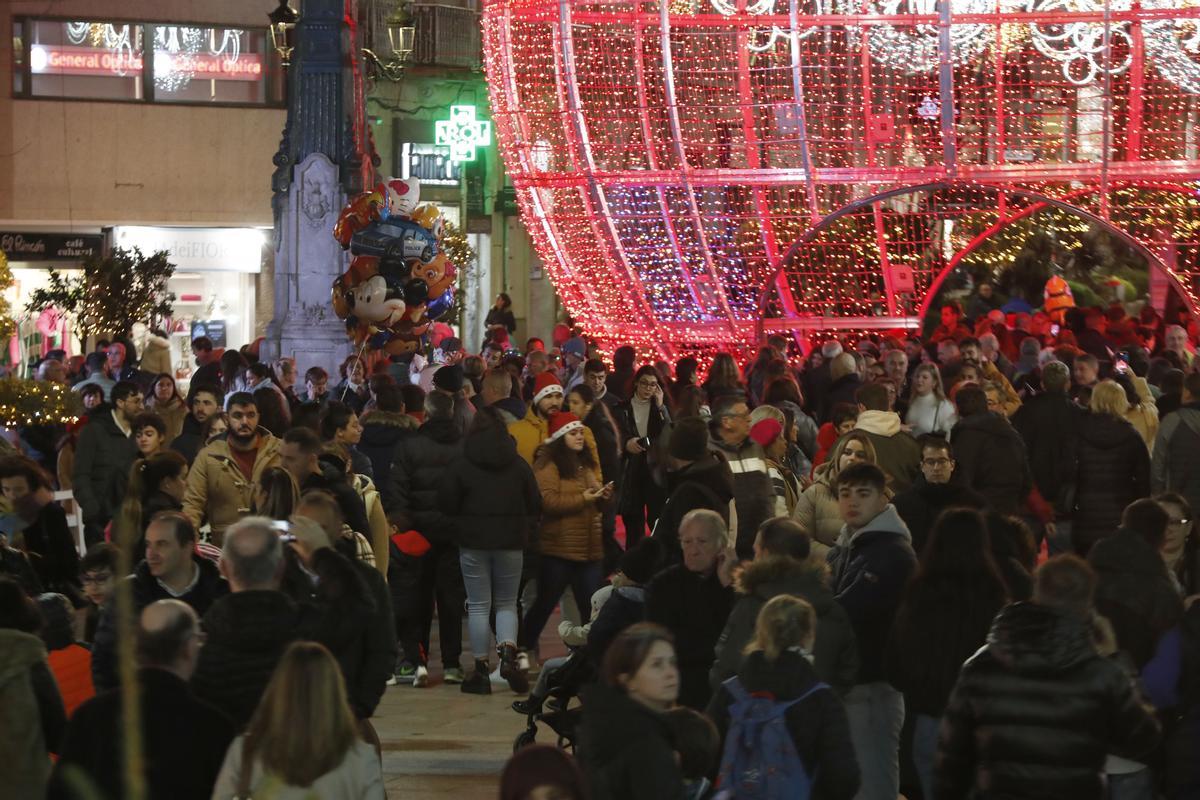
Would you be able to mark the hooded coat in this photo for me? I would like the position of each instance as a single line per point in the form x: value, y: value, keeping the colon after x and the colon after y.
x: 991, y: 460
x: 835, y: 653
x: 625, y: 749
x: 870, y: 567
x: 489, y: 493
x: 1135, y: 593
x: 817, y: 724
x: 817, y: 511
x: 896, y: 452
x: 156, y: 356
x: 1035, y: 712
x: 693, y: 607
x: 382, y: 431
x: 421, y: 460
x: 707, y: 483
x: 1114, y: 470
x: 570, y: 524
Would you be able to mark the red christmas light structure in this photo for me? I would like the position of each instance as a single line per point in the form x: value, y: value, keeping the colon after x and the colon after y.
x: 694, y: 172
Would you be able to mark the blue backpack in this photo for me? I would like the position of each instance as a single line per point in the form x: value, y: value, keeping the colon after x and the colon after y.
x: 760, y: 760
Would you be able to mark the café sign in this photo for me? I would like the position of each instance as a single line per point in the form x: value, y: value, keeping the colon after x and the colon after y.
x: 49, y: 246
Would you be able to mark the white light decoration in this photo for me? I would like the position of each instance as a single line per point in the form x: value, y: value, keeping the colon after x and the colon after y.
x: 916, y: 50
x: 175, y: 49
x: 1173, y: 46
x: 463, y: 133
x: 1080, y: 46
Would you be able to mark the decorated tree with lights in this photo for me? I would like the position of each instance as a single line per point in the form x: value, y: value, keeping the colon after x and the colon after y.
x: 113, y: 293
x: 462, y: 256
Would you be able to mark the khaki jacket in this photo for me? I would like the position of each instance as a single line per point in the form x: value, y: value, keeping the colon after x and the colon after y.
x: 570, y: 524
x: 217, y: 492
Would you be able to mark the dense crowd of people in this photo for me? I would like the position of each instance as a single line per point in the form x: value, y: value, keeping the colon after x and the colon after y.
x: 956, y: 566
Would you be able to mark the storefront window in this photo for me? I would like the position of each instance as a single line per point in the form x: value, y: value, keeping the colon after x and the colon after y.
x: 92, y: 60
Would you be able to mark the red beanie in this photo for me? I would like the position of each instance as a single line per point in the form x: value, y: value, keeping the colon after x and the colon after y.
x: 765, y: 430
x: 545, y: 384
x: 562, y: 423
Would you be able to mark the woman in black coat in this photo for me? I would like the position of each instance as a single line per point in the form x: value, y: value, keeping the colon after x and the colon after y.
x: 48, y: 541
x: 625, y: 745
x: 1114, y: 467
x: 943, y: 618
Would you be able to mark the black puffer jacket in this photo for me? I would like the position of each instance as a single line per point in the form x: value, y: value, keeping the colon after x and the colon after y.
x: 1114, y: 470
x: 1049, y: 426
x: 382, y: 431
x: 489, y: 493
x: 707, y: 483
x: 625, y: 749
x: 817, y: 724
x: 1135, y: 593
x: 247, y: 634
x: 1035, y: 712
x: 835, y: 654
x: 146, y: 589
x: 421, y: 461
x: 694, y: 608
x: 991, y: 460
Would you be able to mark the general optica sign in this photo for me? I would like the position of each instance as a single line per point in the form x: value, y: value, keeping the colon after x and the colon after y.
x: 70, y: 60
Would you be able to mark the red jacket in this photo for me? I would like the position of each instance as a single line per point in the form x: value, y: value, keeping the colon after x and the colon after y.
x: 72, y: 668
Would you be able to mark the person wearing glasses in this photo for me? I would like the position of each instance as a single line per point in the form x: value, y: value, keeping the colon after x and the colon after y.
x: 642, y: 418
x: 933, y: 492
x: 755, y: 496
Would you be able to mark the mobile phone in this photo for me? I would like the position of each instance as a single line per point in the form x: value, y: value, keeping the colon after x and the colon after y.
x: 644, y: 442
x: 1054, y: 329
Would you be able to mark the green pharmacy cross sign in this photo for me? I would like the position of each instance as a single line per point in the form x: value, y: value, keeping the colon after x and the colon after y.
x: 463, y: 133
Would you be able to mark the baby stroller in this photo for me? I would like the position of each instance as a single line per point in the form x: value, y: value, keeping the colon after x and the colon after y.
x: 553, y: 706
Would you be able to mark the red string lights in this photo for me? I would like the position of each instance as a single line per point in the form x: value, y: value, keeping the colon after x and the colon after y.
x: 695, y: 171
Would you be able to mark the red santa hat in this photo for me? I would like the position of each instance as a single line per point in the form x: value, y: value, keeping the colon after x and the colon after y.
x: 545, y: 384
x: 562, y: 423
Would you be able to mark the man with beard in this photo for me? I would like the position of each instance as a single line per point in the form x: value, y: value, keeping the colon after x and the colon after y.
x: 531, y: 431
x: 223, y: 476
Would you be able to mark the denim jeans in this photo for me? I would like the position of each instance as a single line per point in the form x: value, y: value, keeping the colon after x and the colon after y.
x: 491, y: 576
x: 876, y: 714
x: 1131, y: 785
x: 924, y: 750
x: 555, y: 575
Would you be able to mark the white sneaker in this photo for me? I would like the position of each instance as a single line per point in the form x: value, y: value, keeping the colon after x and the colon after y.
x: 523, y: 661
x: 421, y: 679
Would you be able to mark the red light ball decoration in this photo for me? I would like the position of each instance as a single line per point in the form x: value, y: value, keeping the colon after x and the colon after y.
x: 694, y: 172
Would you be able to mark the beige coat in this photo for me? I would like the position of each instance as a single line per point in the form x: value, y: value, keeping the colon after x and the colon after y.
x: 217, y: 492
x: 1144, y: 415
x: 172, y: 413
x: 570, y: 524
x: 817, y: 512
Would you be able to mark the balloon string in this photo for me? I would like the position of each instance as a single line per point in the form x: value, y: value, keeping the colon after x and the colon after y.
x: 361, y: 350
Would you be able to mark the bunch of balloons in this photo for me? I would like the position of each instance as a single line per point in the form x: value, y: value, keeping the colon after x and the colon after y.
x: 399, y: 281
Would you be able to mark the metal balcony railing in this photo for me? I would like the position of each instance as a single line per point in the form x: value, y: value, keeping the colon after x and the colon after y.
x: 446, y: 36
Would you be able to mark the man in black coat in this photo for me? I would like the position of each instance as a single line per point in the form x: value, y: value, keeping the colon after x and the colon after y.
x: 103, y: 456
x: 700, y: 479
x: 693, y: 599
x: 184, y: 739
x: 1047, y: 704
x: 1134, y: 591
x: 434, y: 573
x: 990, y: 453
x: 1049, y: 425
x: 204, y: 400
x: 171, y: 569
x: 248, y: 629
x: 870, y: 565
x: 933, y: 492
x: 300, y: 454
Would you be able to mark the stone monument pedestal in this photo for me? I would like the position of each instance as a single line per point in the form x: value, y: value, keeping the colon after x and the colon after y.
x: 307, y: 261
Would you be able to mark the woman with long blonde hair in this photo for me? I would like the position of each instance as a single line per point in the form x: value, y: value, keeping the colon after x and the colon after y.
x: 928, y: 409
x: 778, y: 665
x: 817, y: 506
x: 302, y: 741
